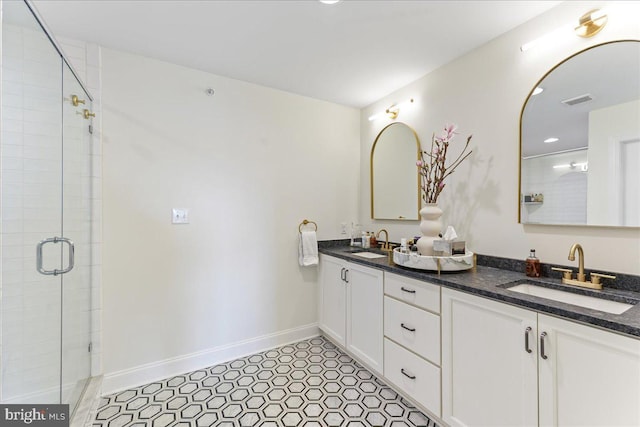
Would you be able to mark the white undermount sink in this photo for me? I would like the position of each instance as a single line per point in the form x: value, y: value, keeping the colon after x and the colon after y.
x: 369, y: 255
x: 586, y: 301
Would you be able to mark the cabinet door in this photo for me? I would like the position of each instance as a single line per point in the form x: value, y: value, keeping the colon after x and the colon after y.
x: 364, y: 315
x: 332, y: 298
x: 488, y: 376
x: 589, y: 377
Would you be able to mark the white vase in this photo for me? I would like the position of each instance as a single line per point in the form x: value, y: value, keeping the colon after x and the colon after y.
x: 431, y: 227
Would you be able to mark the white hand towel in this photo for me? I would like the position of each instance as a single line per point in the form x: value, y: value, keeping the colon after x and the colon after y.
x: 308, y: 249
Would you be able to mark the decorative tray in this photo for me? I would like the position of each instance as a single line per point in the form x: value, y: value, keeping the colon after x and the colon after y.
x: 434, y: 263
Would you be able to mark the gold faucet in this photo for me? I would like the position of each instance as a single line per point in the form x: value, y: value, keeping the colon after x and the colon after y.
x: 572, y: 257
x: 385, y: 245
x: 581, y: 279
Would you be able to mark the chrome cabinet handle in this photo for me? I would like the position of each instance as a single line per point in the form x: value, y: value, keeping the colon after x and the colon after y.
x: 410, y: 291
x: 342, y: 273
x: 526, y: 339
x: 411, y: 377
x: 55, y: 272
x: 346, y: 279
x: 407, y: 328
x: 542, y: 337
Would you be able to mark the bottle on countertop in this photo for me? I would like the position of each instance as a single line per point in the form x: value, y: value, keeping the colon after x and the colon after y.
x: 365, y: 240
x: 403, y: 246
x: 373, y: 241
x: 532, y: 266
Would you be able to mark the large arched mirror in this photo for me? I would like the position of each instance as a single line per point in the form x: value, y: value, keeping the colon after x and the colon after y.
x: 580, y: 140
x: 395, y: 190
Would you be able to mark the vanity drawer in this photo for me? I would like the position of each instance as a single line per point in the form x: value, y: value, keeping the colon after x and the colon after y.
x: 422, y: 294
x: 413, y: 375
x: 424, y: 339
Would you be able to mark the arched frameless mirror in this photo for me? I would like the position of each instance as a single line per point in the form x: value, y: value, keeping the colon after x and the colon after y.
x: 580, y: 140
x: 395, y: 187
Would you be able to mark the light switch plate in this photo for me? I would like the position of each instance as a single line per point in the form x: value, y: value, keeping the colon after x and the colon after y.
x: 180, y: 216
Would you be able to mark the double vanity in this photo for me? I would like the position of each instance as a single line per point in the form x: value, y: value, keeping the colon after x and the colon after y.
x: 487, y: 346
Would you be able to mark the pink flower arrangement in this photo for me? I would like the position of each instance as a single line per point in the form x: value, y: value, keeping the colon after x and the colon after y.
x: 431, y: 165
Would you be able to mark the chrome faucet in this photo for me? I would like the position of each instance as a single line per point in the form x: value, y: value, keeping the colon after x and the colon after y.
x: 385, y: 245
x: 572, y: 257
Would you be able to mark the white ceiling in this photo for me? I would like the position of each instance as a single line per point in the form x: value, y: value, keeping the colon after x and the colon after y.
x: 353, y: 53
x: 609, y: 73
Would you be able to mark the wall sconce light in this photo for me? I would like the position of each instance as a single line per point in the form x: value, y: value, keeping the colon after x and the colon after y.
x: 391, y: 112
x: 589, y: 24
x: 584, y: 166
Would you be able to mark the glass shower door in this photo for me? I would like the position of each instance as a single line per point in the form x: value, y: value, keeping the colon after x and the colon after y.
x: 31, y: 181
x: 45, y: 231
x: 76, y: 226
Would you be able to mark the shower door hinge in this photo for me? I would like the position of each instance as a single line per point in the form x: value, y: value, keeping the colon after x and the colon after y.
x: 91, y: 129
x: 90, y: 347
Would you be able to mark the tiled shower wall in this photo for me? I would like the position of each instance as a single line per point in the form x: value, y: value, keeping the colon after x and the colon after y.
x: 31, y: 110
x: 564, y: 189
x: 31, y: 167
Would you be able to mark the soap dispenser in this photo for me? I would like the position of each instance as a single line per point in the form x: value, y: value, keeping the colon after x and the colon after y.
x: 533, y: 267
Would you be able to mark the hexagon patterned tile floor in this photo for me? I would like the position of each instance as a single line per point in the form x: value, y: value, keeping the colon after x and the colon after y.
x: 310, y: 383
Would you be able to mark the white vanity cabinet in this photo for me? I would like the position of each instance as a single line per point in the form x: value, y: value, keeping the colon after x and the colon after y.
x: 504, y: 365
x: 351, y: 309
x: 332, y: 298
x: 488, y: 376
x: 590, y: 377
x: 412, y: 339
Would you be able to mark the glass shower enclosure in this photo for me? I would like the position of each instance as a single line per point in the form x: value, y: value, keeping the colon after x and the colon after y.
x: 45, y: 230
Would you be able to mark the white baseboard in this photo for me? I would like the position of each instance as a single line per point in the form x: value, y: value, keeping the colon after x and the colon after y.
x: 150, y: 372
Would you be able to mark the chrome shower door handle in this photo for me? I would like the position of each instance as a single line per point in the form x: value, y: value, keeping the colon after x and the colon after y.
x: 39, y: 266
x: 72, y: 254
x: 54, y: 272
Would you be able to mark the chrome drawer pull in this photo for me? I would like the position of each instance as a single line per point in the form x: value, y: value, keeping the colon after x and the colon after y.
x: 411, y: 377
x: 542, y: 337
x: 526, y: 339
x: 410, y: 291
x: 408, y: 329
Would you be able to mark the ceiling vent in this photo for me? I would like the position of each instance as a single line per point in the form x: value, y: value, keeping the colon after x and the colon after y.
x: 578, y: 99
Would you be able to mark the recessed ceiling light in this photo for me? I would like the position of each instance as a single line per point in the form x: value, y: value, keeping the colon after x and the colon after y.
x: 537, y: 91
x: 549, y: 140
x: 329, y: 1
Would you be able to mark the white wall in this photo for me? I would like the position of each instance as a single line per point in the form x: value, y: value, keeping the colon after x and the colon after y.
x: 250, y: 163
x: 609, y: 129
x: 483, y: 92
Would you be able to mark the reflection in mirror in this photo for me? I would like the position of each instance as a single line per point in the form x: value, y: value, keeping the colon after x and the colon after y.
x: 395, y: 191
x: 580, y: 140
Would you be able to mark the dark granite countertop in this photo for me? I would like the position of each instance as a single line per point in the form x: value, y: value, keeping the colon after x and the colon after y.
x: 489, y: 282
